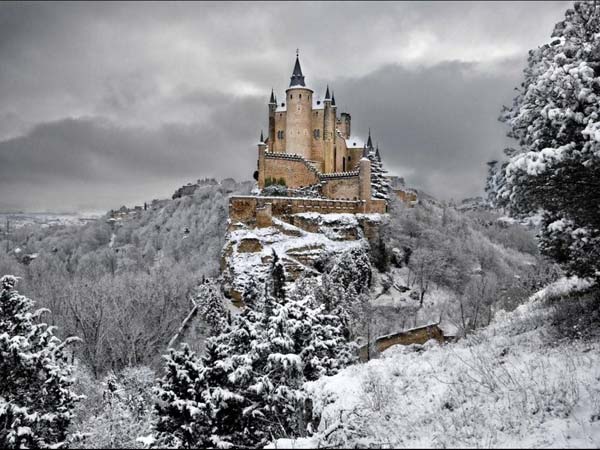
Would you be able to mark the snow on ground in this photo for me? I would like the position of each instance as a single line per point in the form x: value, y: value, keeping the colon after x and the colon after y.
x: 437, y: 306
x: 509, y: 385
x: 285, y: 240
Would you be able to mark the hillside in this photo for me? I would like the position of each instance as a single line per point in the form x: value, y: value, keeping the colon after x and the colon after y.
x: 520, y: 382
x: 123, y: 284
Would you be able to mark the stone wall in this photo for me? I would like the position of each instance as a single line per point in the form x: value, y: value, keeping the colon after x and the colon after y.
x: 342, y: 187
x: 243, y: 208
x: 378, y: 206
x: 297, y: 172
x: 407, y: 196
x: 414, y: 336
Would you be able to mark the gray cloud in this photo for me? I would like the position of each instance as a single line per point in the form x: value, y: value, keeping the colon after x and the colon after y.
x: 105, y: 103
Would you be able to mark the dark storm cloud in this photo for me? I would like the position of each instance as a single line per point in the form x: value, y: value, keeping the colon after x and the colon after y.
x: 437, y: 126
x: 93, y: 162
x: 105, y: 103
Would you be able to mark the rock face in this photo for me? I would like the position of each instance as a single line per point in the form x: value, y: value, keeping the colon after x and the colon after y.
x: 309, y: 238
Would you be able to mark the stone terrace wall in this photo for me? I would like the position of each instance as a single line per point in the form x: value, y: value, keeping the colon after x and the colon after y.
x: 243, y: 208
x: 341, y: 186
x: 378, y: 206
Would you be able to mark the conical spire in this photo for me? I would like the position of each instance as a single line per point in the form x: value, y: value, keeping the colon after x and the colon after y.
x: 365, y: 152
x: 327, y: 97
x: 332, y: 99
x: 369, y: 141
x: 262, y: 139
x: 272, y: 101
x: 377, y: 155
x: 297, y: 77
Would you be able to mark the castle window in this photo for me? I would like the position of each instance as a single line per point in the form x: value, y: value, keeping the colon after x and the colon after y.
x: 318, y: 102
x: 291, y: 96
x: 300, y: 96
x: 317, y: 133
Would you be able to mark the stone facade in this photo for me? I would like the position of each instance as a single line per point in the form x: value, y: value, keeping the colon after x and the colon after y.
x: 295, y: 170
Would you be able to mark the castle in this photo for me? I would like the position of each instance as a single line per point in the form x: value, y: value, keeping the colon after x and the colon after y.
x: 310, y: 148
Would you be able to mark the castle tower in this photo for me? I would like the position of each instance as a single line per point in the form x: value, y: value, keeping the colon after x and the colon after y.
x: 272, y: 108
x: 364, y: 180
x: 262, y: 148
x: 329, y: 151
x: 299, y: 114
x: 344, y: 125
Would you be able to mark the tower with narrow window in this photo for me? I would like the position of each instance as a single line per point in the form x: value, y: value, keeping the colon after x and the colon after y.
x: 299, y: 115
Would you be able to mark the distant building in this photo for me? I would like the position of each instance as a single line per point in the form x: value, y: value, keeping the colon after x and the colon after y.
x: 407, y: 195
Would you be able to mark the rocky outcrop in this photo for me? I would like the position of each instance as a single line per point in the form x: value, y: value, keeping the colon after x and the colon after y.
x: 300, y: 244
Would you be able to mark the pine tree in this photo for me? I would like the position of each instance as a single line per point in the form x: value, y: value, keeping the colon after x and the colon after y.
x: 380, y: 185
x: 36, y: 402
x: 556, y: 120
x: 249, y: 388
x: 277, y: 277
x: 211, y: 306
x: 253, y: 293
x: 184, y: 418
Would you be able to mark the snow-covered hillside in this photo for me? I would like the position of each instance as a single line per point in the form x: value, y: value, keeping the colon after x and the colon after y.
x: 512, y: 384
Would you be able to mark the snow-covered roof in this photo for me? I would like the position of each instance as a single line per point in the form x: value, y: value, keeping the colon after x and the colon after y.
x: 354, y: 142
x: 281, y: 107
x: 299, y: 86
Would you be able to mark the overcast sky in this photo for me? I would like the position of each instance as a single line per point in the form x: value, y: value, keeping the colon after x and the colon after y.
x: 116, y: 103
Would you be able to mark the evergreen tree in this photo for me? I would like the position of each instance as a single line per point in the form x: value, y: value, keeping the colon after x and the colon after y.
x: 36, y: 402
x: 183, y: 416
x: 555, y: 119
x: 211, y: 306
x: 249, y: 388
x: 253, y: 294
x: 380, y: 185
x: 277, y: 277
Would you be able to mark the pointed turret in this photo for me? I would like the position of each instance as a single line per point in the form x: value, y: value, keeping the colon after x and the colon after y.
x: 365, y: 152
x: 262, y: 139
x: 327, y: 97
x: 272, y: 101
x: 369, y: 141
x: 297, y: 78
x: 377, y: 155
x: 332, y: 99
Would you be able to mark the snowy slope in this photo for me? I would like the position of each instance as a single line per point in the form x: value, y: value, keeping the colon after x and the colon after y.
x: 508, y: 385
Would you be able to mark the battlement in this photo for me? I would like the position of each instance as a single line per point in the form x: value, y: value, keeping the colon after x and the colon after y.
x: 329, y: 176
x: 244, y: 208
